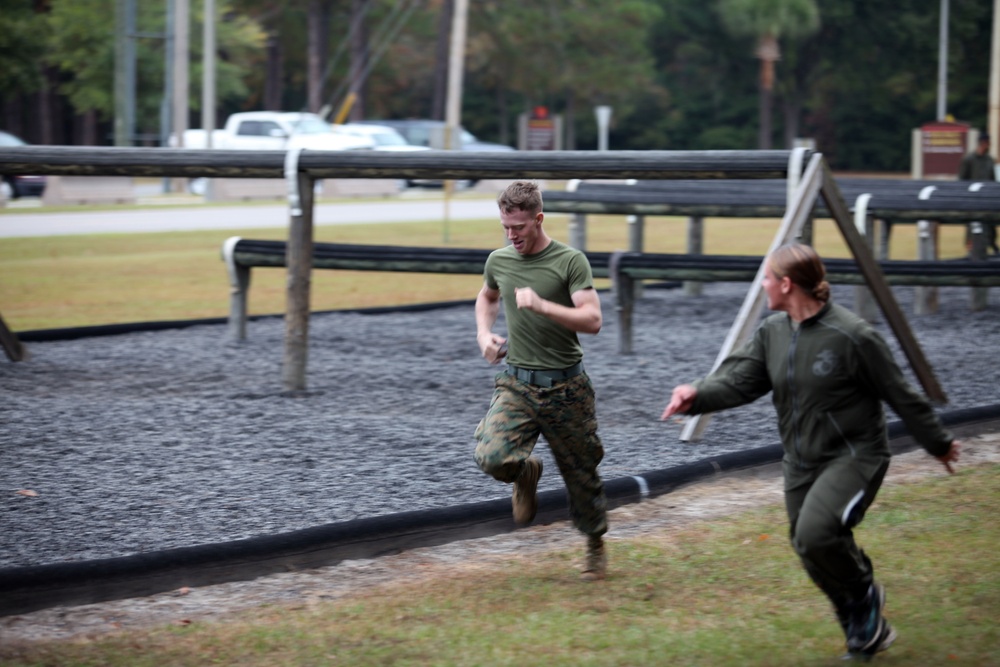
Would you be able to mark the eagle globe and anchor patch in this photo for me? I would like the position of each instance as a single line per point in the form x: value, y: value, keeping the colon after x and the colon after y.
x: 825, y: 363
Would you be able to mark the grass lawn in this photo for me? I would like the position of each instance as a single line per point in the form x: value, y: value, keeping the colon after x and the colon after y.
x: 721, y: 592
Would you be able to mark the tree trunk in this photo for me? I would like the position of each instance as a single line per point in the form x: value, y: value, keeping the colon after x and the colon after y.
x: 792, y: 111
x: 12, y: 114
x: 314, y: 73
x: 87, y: 124
x: 46, y: 118
x: 569, y: 121
x: 273, y: 79
x: 359, y: 57
x: 441, y: 60
x: 502, y: 115
x: 766, y: 103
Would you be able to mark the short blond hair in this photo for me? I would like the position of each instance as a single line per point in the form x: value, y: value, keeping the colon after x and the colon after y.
x: 521, y: 196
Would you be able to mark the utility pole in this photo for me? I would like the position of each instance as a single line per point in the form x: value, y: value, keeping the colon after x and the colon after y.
x: 993, y: 117
x: 166, y: 104
x: 182, y: 26
x: 208, y: 84
x: 125, y: 77
x: 453, y: 108
x: 208, y: 74
x: 942, y: 91
x: 456, y: 70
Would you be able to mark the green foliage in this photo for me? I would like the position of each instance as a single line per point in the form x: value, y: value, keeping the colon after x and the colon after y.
x: 678, y: 74
x: 776, y: 18
x: 82, y: 46
x: 587, y: 51
x: 240, y: 41
x: 22, y: 44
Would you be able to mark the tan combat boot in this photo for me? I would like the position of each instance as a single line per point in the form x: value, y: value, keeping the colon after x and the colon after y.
x: 525, y: 497
x: 595, y: 567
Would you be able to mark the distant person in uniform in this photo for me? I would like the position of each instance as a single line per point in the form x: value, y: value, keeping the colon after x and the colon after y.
x: 979, y: 166
x: 547, y: 289
x: 828, y: 373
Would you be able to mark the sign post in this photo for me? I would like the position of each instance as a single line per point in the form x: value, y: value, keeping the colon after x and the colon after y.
x: 942, y: 146
x: 603, y: 114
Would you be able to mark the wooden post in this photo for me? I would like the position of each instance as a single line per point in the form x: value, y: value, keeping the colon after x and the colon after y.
x: 977, y: 234
x: 239, y: 285
x: 926, y: 299
x: 636, y: 225
x: 885, y: 235
x: 695, y: 246
x: 299, y: 260
x: 578, y: 231
x: 623, y: 288
x: 880, y: 289
x: 11, y: 345
x: 864, y: 305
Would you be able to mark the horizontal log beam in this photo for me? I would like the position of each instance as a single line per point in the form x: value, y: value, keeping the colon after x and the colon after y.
x: 644, y: 266
x: 458, y: 165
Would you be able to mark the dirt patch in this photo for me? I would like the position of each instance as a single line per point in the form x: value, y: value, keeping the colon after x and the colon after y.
x: 658, y: 518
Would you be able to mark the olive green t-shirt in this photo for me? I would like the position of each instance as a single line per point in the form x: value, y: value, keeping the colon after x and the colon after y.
x: 555, y: 273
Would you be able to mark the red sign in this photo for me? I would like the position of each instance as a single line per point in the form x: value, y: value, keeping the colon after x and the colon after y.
x: 541, y: 130
x: 943, y: 145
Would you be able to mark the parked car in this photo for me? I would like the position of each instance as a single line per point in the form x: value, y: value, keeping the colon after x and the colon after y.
x: 384, y: 137
x: 431, y: 134
x: 17, y: 185
x: 276, y: 130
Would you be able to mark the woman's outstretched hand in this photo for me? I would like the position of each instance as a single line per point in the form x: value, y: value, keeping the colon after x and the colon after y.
x: 950, y: 457
x: 681, y: 401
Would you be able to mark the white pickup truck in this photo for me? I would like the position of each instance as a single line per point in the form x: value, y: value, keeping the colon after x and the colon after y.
x: 275, y: 131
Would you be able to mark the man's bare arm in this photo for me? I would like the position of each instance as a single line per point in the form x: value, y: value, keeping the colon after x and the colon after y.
x: 487, y: 310
x: 584, y: 316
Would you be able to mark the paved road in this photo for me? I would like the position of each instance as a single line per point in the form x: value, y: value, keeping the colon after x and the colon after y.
x: 35, y: 223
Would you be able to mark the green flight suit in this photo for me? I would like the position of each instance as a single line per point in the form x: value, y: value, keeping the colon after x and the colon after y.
x: 828, y: 376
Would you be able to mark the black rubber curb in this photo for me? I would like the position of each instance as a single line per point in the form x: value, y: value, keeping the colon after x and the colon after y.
x: 74, y: 333
x: 27, y: 589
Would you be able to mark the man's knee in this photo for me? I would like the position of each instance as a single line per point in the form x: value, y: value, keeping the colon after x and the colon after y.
x: 497, y: 466
x: 812, y: 540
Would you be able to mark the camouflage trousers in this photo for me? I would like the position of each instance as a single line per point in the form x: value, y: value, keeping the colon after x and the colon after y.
x: 565, y: 414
